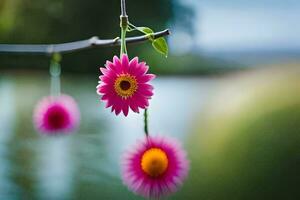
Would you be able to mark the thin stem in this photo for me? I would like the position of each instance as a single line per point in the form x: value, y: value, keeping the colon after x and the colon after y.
x: 124, y: 24
x: 55, y: 71
x: 137, y: 28
x: 146, y: 122
x: 123, y: 42
x: 124, y: 27
x: 123, y: 8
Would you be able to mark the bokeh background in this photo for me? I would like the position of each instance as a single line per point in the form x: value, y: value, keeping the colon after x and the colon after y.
x: 229, y: 90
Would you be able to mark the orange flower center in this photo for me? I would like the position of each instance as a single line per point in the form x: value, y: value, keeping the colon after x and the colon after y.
x: 125, y: 85
x: 154, y: 162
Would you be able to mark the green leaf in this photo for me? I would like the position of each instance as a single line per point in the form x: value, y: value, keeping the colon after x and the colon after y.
x: 161, y: 46
x: 146, y: 30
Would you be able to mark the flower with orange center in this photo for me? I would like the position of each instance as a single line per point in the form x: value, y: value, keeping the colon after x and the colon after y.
x: 155, y: 168
x: 154, y: 162
x: 124, y: 84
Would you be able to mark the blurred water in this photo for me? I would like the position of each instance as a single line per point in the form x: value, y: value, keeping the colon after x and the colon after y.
x: 245, y: 25
x: 247, y: 32
x: 84, y: 165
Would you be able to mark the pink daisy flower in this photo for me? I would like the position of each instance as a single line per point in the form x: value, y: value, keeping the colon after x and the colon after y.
x: 55, y: 115
x: 156, y: 167
x: 124, y: 85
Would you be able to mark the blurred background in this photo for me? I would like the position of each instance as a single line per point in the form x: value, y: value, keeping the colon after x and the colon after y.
x: 229, y: 90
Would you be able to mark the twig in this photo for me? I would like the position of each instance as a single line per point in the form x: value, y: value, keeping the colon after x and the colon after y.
x: 73, y: 46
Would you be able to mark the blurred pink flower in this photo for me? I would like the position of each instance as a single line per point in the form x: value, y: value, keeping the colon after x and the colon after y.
x: 56, y: 115
x: 124, y: 84
x: 156, y: 167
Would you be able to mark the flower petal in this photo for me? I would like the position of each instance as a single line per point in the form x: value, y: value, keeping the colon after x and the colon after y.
x: 133, y: 106
x: 110, y: 66
x: 141, y: 69
x: 103, y: 70
x: 125, y: 108
x: 104, y: 89
x: 146, y: 78
x: 142, y: 101
x: 106, y: 79
x: 146, y: 86
x: 125, y: 63
x: 117, y: 64
x: 147, y: 93
x: 133, y: 63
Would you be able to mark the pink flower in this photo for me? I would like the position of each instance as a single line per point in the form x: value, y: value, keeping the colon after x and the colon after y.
x: 124, y: 84
x: 55, y: 115
x: 156, y: 167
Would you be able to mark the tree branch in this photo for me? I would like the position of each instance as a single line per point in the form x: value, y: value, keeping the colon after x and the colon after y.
x: 74, y: 46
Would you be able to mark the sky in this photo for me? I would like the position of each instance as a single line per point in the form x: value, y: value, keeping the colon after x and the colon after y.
x: 240, y: 25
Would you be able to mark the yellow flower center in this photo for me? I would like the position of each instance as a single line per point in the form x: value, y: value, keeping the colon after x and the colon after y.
x: 125, y: 85
x: 154, y: 162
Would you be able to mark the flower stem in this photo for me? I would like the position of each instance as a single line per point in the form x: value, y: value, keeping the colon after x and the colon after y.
x: 123, y: 41
x: 146, y: 122
x: 124, y: 24
x: 55, y: 70
x: 123, y: 8
x: 124, y: 27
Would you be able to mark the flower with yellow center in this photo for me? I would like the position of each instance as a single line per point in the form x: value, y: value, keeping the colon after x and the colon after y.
x: 125, y: 85
x: 154, y: 162
x: 155, y: 167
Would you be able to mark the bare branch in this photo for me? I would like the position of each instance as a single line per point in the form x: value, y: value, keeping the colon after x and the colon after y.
x: 93, y: 42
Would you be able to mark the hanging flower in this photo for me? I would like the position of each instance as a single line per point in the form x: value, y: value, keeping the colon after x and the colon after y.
x: 156, y: 167
x: 124, y: 84
x: 55, y: 115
